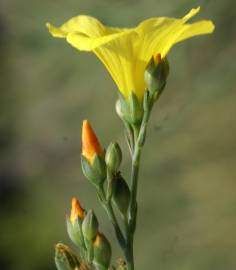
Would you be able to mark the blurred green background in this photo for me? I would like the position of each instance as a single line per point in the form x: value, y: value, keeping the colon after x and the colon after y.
x: 187, y: 195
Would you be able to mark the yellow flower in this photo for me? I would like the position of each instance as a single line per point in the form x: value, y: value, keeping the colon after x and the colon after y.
x: 125, y: 52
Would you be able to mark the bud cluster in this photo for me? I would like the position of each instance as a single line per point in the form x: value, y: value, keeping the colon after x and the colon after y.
x: 99, y: 165
x: 83, y: 230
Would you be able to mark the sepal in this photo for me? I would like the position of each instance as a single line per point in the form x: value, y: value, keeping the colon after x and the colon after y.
x: 95, y: 172
x: 90, y: 226
x: 74, y: 231
x: 135, y: 109
x: 121, y: 195
x: 122, y: 108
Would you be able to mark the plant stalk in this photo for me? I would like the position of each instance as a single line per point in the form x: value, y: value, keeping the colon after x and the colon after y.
x: 110, y: 212
x: 139, y: 143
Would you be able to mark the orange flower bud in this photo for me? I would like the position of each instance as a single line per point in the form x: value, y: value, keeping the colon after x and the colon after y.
x: 156, y: 74
x: 76, y: 211
x: 90, y: 143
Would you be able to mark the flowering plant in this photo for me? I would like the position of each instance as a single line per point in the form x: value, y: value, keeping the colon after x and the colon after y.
x: 136, y: 58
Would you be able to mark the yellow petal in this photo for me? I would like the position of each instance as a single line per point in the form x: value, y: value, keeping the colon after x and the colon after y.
x: 195, y: 29
x: 160, y: 34
x: 83, y: 24
x: 56, y: 32
x: 84, y: 42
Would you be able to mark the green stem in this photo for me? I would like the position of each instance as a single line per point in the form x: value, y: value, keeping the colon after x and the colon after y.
x: 139, y: 142
x: 129, y: 255
x: 110, y: 212
x: 136, y: 141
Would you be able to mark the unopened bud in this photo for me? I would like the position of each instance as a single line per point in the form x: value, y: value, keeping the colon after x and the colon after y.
x: 130, y: 109
x: 121, y: 194
x: 65, y: 259
x: 156, y: 73
x: 93, y: 162
x: 76, y: 210
x: 74, y: 223
x: 90, y: 143
x: 102, y: 252
x: 90, y: 225
x: 113, y: 157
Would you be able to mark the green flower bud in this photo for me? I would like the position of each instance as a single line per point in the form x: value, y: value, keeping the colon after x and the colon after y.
x: 130, y: 110
x: 95, y: 171
x: 90, y: 226
x: 113, y: 157
x: 121, y: 195
x: 65, y: 259
x: 156, y: 74
x: 102, y: 252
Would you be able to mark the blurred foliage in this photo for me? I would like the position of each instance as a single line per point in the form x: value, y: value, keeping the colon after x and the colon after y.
x: 187, y: 212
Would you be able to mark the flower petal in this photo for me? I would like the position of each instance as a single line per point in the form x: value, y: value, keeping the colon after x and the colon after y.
x: 119, y: 58
x: 195, y: 29
x: 83, y: 24
x: 160, y: 34
x: 84, y: 42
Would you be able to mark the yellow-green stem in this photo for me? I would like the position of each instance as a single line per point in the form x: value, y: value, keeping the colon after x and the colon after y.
x: 139, y: 142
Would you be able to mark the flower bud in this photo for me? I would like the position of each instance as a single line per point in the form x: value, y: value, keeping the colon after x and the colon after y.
x: 90, y: 143
x: 130, y: 110
x: 65, y: 259
x: 76, y: 211
x: 90, y: 226
x: 74, y: 223
x: 92, y: 158
x: 121, y: 195
x: 155, y: 74
x: 102, y: 252
x: 113, y: 157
